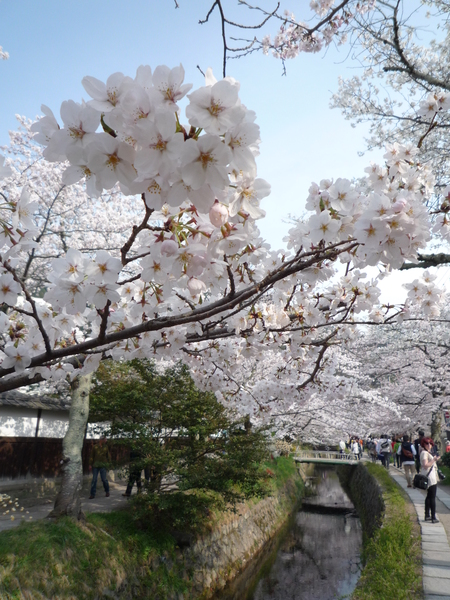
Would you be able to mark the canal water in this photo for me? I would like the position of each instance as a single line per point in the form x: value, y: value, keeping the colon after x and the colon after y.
x: 316, y: 557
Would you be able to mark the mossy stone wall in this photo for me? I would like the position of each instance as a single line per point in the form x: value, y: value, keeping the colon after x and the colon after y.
x: 366, y: 495
x: 217, y: 558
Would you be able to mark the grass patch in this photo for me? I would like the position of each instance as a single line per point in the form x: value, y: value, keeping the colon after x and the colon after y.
x: 283, y: 469
x: 70, y: 560
x: 280, y: 471
x: 393, y: 556
x: 66, y: 560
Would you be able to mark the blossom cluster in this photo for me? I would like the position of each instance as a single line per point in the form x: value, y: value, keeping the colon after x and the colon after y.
x: 409, y: 364
x: 336, y: 401
x: 65, y: 215
x: 148, y: 151
x: 194, y: 273
x: 295, y: 36
x: 385, y: 213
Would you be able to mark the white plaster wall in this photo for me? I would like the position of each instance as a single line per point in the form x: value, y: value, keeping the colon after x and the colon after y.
x: 17, y: 422
x: 93, y: 430
x: 53, y: 424
x: 21, y: 422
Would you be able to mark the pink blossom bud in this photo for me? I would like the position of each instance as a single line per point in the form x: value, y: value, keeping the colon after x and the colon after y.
x: 218, y: 214
x: 195, y: 286
x: 169, y: 248
x: 399, y: 205
x: 196, y: 265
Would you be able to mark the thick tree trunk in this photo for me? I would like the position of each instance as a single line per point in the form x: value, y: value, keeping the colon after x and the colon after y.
x: 68, y: 501
x: 436, y: 429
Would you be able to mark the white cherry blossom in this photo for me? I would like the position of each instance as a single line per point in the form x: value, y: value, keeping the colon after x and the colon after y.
x: 205, y: 162
x: 106, y: 96
x: 9, y: 289
x: 215, y: 108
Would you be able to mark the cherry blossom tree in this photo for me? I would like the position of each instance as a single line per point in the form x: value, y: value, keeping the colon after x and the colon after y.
x: 408, y: 364
x: 402, y: 49
x: 402, y: 88
x: 193, y: 275
x: 314, y: 405
x: 62, y: 216
x: 157, y: 253
x: 325, y: 22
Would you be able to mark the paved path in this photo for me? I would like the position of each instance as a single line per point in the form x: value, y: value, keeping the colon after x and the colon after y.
x: 435, y: 544
x: 42, y: 509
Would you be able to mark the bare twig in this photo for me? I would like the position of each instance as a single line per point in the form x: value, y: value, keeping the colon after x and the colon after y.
x: 225, y: 21
x: 136, y: 230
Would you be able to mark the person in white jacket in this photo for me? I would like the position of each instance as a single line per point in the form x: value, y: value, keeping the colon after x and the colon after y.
x: 384, y: 448
x: 355, y: 449
x: 429, y: 468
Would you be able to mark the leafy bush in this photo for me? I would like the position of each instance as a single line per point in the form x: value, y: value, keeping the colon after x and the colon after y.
x: 197, y: 454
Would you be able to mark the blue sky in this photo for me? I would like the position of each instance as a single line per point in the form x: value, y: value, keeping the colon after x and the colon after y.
x: 53, y: 44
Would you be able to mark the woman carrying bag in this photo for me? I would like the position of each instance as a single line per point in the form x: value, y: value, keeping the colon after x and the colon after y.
x: 429, y: 469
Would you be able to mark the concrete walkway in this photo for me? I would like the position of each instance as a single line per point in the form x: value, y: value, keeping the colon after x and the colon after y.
x: 435, y: 544
x: 39, y: 510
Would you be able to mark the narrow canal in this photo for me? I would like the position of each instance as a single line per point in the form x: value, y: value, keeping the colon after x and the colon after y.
x: 316, y: 557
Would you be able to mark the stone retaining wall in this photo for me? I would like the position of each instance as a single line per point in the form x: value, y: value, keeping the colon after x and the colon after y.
x: 366, y: 495
x: 218, y: 557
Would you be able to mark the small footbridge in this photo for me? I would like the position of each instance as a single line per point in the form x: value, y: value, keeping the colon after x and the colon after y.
x: 325, y: 457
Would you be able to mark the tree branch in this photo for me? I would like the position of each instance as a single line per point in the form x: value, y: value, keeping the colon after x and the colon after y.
x: 426, y: 261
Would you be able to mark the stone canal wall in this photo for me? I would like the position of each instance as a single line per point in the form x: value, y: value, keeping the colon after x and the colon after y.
x: 217, y: 558
x: 366, y: 495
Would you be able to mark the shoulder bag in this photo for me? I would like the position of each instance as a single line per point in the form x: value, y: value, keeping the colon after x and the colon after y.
x: 421, y: 481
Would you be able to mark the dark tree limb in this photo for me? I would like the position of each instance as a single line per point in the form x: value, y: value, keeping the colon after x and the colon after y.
x: 427, y: 260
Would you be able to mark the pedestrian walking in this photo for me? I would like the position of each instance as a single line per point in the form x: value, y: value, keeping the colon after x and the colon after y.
x: 429, y: 469
x: 355, y: 449
x: 135, y: 472
x: 342, y: 447
x: 397, y: 457
x: 406, y: 453
x: 384, y: 448
x: 372, y: 449
x: 99, y: 462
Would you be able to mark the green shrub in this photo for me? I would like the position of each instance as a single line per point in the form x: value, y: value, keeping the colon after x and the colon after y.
x: 200, y: 456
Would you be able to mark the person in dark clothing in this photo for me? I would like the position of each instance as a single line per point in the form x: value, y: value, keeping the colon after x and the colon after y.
x: 135, y: 472
x: 99, y: 462
x: 418, y: 447
x: 406, y: 452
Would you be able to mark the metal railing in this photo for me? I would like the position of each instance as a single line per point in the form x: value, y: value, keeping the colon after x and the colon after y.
x: 325, y: 454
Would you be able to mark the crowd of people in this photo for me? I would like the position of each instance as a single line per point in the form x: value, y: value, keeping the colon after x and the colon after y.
x: 355, y: 445
x: 413, y: 457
